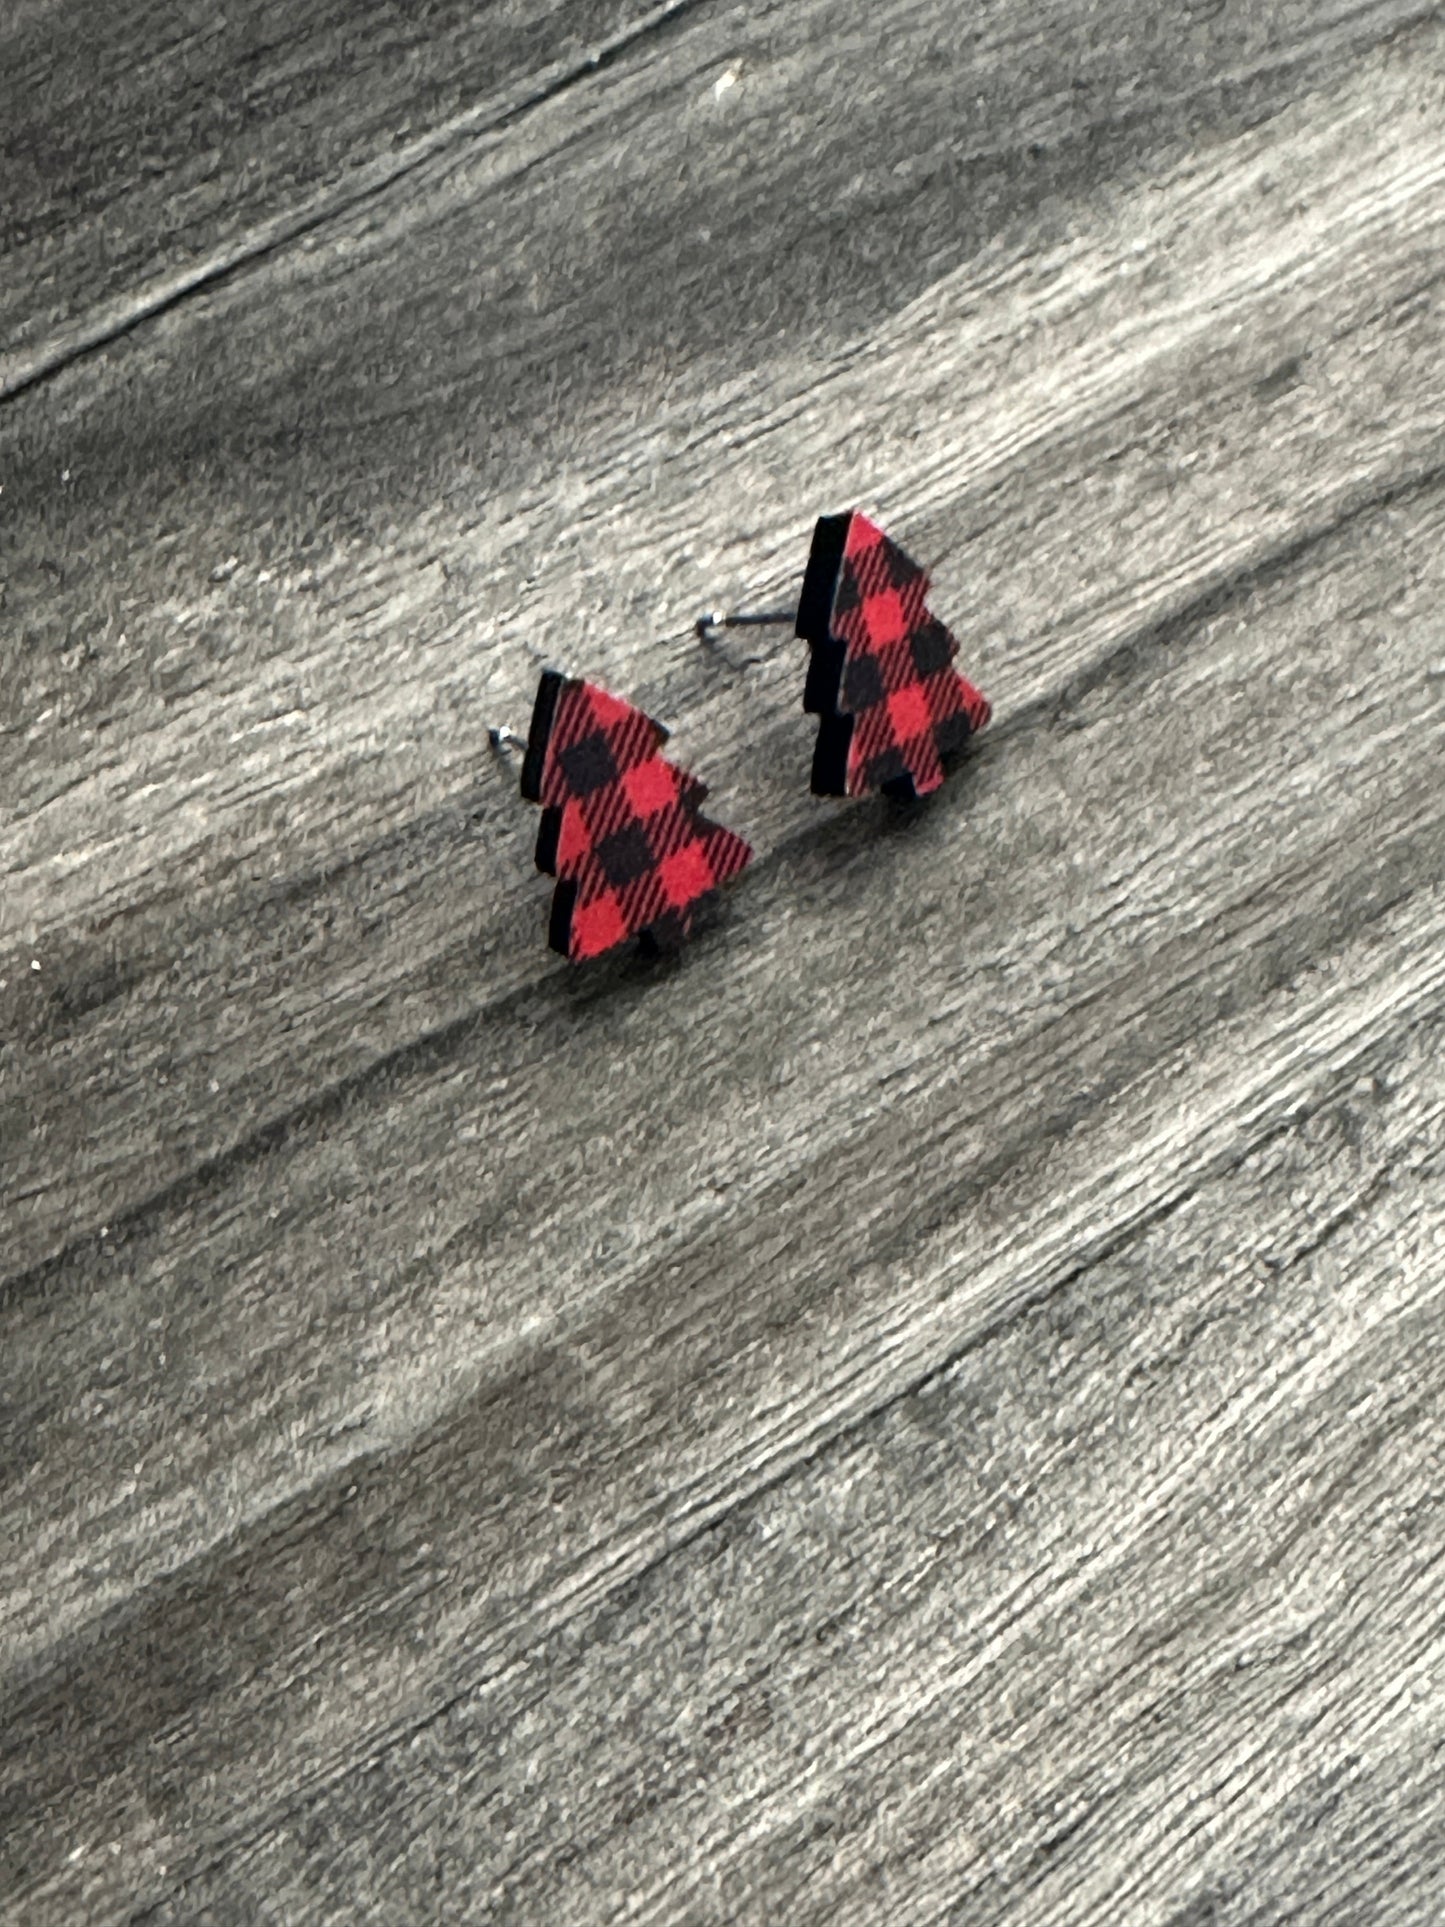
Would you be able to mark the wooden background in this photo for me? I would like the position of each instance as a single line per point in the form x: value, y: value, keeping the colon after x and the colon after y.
x: 929, y: 1408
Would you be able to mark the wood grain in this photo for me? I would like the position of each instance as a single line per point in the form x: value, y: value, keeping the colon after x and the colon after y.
x: 928, y: 1407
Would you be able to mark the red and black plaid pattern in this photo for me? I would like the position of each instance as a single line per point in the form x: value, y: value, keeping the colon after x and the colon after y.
x: 620, y: 827
x: 881, y: 673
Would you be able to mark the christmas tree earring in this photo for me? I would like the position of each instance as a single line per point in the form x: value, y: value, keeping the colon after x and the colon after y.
x: 621, y: 829
x: 890, y: 705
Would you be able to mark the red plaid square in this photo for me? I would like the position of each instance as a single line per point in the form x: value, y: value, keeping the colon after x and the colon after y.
x: 597, y: 926
x: 685, y: 875
x: 909, y: 714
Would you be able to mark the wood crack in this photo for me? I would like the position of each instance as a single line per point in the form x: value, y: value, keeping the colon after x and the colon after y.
x: 331, y: 205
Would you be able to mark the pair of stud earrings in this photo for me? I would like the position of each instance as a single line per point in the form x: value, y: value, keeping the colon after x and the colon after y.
x: 622, y: 829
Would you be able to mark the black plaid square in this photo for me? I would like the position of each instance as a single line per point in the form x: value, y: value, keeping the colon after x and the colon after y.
x: 625, y: 856
x: 932, y: 649
x: 588, y: 765
x: 887, y: 767
x: 902, y: 571
x: 848, y: 596
x: 952, y: 733
x: 862, y: 683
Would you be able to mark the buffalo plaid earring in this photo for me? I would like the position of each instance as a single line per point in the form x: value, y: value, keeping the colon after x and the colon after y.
x: 880, y: 678
x: 621, y: 829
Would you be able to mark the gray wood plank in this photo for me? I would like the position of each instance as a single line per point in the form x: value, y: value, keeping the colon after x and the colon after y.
x: 150, y: 150
x: 1083, y: 1626
x: 927, y: 1408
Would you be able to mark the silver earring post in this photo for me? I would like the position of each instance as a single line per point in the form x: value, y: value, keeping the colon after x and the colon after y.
x: 501, y: 738
x: 711, y: 624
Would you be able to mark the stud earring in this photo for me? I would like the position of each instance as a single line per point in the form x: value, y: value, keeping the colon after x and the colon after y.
x: 621, y: 827
x: 890, y: 705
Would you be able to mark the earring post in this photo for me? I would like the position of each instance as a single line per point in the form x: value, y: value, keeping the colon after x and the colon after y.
x: 709, y: 623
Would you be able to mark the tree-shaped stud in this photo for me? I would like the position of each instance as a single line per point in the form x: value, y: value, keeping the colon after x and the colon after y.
x: 881, y: 679
x: 621, y: 827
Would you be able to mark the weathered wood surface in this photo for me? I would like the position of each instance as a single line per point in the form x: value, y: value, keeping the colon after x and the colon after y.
x: 928, y: 1408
